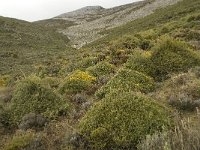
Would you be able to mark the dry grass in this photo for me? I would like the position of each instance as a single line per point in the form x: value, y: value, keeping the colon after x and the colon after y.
x: 184, y: 136
x: 181, y: 91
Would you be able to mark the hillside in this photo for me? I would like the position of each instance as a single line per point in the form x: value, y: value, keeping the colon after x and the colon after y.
x: 91, y: 21
x: 156, y: 20
x: 137, y: 88
x: 23, y: 44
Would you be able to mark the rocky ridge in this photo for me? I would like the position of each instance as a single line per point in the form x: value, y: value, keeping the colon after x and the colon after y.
x: 92, y: 20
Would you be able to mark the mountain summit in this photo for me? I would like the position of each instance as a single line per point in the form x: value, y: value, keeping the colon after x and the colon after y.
x: 83, y: 11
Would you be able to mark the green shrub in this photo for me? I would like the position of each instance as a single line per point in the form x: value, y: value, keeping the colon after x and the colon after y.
x: 26, y: 140
x: 20, y: 141
x: 192, y: 35
x: 4, y: 116
x: 101, y: 56
x: 87, y: 62
x: 169, y: 27
x: 101, y: 69
x: 50, y: 82
x: 52, y: 69
x: 126, y: 42
x: 145, y: 44
x: 150, y: 34
x: 78, y: 81
x: 30, y: 96
x: 170, y: 56
x: 187, y: 34
x: 195, y: 17
x: 82, y: 64
x: 141, y: 40
x: 127, y: 80
x: 140, y: 61
x: 4, y: 80
x: 121, y: 120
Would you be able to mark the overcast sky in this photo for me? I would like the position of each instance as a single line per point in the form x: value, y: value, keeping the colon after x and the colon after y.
x: 32, y: 10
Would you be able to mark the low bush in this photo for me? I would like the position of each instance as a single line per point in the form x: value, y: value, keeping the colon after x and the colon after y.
x: 126, y: 42
x: 150, y: 34
x: 79, y: 99
x: 140, y: 61
x: 5, y: 94
x: 50, y: 82
x: 20, y: 141
x: 101, y: 69
x: 4, y: 117
x: 145, y: 44
x: 187, y: 34
x: 195, y: 17
x: 87, y: 62
x: 32, y: 121
x: 31, y: 97
x: 77, y: 82
x: 117, y: 56
x: 121, y: 120
x: 127, y: 80
x: 51, y: 69
x: 4, y: 80
x: 170, y: 56
x: 192, y: 35
x: 81, y: 64
x: 25, y: 141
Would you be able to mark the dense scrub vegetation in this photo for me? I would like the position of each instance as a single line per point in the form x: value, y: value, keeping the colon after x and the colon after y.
x: 169, y: 56
x: 137, y: 88
x: 121, y: 119
x: 31, y: 97
x: 127, y: 80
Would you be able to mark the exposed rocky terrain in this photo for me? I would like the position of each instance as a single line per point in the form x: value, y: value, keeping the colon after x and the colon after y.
x: 92, y: 20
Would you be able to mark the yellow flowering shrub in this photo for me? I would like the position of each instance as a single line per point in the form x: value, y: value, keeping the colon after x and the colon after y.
x: 76, y: 82
x: 4, y: 80
x: 81, y: 75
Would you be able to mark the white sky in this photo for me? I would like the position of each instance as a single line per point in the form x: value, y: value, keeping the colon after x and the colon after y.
x: 32, y: 10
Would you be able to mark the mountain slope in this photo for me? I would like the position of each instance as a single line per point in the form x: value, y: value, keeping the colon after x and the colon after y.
x: 156, y: 20
x: 23, y: 44
x: 96, y: 19
x: 137, y: 88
